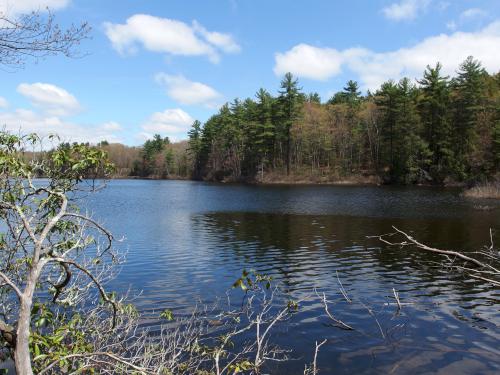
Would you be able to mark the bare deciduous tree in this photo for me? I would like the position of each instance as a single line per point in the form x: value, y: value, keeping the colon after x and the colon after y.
x: 37, y: 35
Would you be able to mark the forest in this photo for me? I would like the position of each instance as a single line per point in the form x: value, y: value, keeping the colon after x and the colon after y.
x: 436, y: 130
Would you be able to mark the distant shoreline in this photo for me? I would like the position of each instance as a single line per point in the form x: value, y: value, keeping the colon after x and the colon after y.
x: 266, y: 182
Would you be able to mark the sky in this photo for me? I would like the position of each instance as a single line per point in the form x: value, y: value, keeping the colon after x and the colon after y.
x: 154, y: 66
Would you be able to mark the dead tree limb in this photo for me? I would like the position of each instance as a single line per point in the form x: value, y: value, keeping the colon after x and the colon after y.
x: 482, y: 262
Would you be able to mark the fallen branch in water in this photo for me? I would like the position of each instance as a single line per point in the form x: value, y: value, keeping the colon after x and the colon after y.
x: 396, y: 297
x: 339, y: 322
x: 483, y: 262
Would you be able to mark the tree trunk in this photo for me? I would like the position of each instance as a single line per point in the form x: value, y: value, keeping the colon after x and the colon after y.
x: 22, y: 358
x: 22, y: 352
x: 288, y: 152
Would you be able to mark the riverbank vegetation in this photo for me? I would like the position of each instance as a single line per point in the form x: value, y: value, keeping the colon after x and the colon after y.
x: 488, y: 190
x: 437, y: 130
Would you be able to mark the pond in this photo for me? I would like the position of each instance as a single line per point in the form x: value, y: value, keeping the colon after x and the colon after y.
x: 188, y: 241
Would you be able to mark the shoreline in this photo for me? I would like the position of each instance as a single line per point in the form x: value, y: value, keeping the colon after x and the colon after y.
x: 298, y: 182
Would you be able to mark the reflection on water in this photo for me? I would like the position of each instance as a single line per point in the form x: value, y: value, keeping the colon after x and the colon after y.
x: 189, y: 240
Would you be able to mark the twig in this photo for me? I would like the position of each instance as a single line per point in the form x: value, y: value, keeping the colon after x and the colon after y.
x: 338, y: 321
x: 396, y: 296
x: 315, y: 368
x: 342, y: 290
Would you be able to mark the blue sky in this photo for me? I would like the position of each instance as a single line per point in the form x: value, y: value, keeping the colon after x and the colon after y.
x: 154, y: 66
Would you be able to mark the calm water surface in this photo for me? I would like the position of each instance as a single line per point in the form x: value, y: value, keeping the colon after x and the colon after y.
x: 188, y: 240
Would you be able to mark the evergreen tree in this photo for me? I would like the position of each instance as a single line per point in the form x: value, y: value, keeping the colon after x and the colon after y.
x: 468, y: 100
x: 386, y: 99
x: 351, y: 93
x: 413, y: 155
x: 290, y: 102
x: 194, y: 147
x: 434, y: 112
x: 266, y: 134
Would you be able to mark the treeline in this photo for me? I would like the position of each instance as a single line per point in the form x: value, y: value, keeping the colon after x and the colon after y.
x: 156, y: 158
x: 436, y: 130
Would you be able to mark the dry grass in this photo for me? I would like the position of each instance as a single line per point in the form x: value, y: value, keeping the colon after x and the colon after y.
x: 305, y: 177
x: 490, y: 191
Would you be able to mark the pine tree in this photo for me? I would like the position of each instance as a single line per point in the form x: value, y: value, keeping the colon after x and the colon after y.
x: 194, y: 147
x: 385, y: 98
x: 434, y: 105
x: 266, y: 134
x: 468, y: 99
x: 290, y: 105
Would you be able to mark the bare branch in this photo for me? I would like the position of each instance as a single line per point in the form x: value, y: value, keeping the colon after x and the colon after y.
x: 96, y: 282
x: 488, y: 264
x: 316, y: 351
x: 36, y: 35
x: 98, y: 354
x: 340, y: 323
x: 11, y: 284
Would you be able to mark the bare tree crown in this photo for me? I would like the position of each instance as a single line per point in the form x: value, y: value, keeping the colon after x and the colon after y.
x: 36, y: 35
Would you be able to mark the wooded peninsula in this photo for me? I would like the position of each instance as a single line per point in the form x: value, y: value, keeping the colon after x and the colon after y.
x: 437, y: 130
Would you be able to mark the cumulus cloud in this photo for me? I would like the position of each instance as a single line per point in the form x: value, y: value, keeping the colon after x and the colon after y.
x: 373, y: 68
x: 172, y: 122
x: 309, y: 61
x: 405, y: 9
x: 168, y: 36
x: 188, y: 92
x: 51, y: 99
x: 28, y: 121
x: 52, y: 105
x: 3, y: 102
x: 16, y: 7
x: 221, y: 40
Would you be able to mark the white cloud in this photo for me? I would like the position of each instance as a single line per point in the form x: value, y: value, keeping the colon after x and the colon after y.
x: 3, y: 102
x: 316, y: 63
x: 222, y: 40
x: 473, y: 13
x: 188, y: 92
x: 172, y: 122
x: 309, y: 61
x: 158, y: 35
x: 16, y: 7
x: 52, y: 99
x: 28, y: 121
x: 52, y: 105
x: 405, y: 9
x: 168, y: 36
x: 374, y: 68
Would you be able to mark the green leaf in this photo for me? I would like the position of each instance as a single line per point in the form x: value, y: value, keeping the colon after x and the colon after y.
x: 167, y: 314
